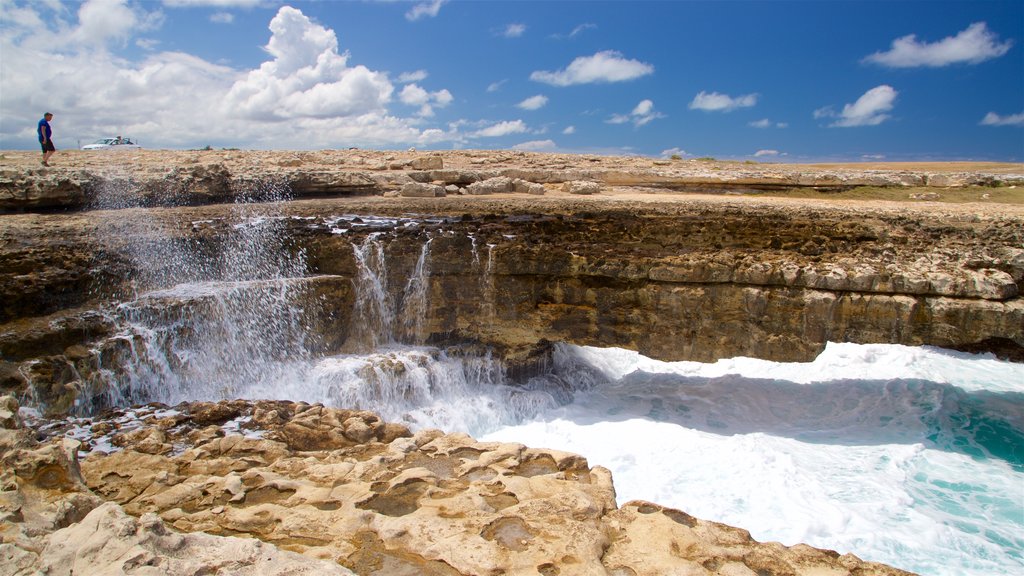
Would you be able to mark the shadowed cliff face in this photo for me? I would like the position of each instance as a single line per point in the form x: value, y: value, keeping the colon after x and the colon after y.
x: 693, y: 280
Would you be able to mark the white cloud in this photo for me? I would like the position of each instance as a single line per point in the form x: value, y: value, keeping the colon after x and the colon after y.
x: 415, y: 76
x: 869, y: 110
x: 644, y: 108
x: 575, y: 31
x: 674, y: 152
x: 501, y: 129
x: 763, y: 153
x: 307, y: 77
x: 222, y: 18
x: 973, y: 45
x: 514, y: 30
x: 424, y: 10
x: 536, y: 146
x: 495, y: 86
x: 580, y: 29
x: 102, y: 21
x: 766, y: 123
x: 716, y: 102
x: 533, y: 102
x: 606, y: 66
x: 305, y: 95
x: 993, y: 119
x: 643, y: 113
x: 414, y: 95
x: 569, y: 130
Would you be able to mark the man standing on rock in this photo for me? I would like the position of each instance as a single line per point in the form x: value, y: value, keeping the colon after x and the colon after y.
x: 45, y: 138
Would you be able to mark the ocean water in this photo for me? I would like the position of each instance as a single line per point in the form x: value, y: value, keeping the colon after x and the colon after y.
x: 909, y: 456
x: 905, y: 455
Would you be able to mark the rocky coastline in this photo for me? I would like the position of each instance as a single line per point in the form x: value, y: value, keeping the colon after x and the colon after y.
x: 289, y: 488
x: 678, y: 259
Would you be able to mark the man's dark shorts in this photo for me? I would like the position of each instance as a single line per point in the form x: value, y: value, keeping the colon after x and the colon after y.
x: 48, y: 146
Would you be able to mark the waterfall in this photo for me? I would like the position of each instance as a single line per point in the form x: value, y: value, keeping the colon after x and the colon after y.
x: 374, y: 314
x: 207, y: 319
x: 416, y: 303
x: 381, y: 317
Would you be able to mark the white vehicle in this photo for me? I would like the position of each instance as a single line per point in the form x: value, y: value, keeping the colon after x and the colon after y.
x: 116, y: 143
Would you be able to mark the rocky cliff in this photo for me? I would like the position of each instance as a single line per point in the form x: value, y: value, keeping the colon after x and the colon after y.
x: 108, y: 262
x: 675, y: 276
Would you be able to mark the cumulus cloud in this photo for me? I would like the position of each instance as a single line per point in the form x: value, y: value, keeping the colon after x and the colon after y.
x: 307, y: 76
x: 643, y: 113
x: 716, y: 102
x: 871, y: 109
x: 533, y: 102
x: 602, y: 67
x: 514, y: 30
x: 993, y: 119
x: 973, y: 45
x: 536, y: 146
x: 305, y: 95
x: 102, y: 21
x: 424, y: 10
x: 414, y: 95
x: 501, y: 129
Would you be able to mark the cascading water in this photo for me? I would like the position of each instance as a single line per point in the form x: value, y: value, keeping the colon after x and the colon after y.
x: 902, y: 455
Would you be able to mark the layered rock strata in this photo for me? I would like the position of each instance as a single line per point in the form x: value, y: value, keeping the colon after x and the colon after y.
x: 673, y: 276
x: 285, y: 488
x: 83, y: 179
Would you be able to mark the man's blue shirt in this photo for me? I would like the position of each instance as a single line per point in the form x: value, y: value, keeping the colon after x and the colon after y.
x: 39, y: 129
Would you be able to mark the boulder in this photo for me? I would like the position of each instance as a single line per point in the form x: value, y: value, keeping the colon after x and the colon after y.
x: 427, y: 163
x: 496, y: 185
x: 526, y: 187
x: 584, y: 187
x: 421, y: 190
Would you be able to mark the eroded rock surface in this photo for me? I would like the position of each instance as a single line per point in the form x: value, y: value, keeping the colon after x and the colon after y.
x: 674, y: 276
x: 346, y: 491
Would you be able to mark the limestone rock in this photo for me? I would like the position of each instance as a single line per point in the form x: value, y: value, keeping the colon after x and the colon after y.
x: 108, y: 541
x: 526, y: 187
x: 428, y: 163
x: 420, y: 190
x: 581, y: 187
x: 429, y: 503
x: 496, y: 185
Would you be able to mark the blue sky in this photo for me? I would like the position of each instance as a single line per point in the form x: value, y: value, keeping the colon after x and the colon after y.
x: 770, y: 80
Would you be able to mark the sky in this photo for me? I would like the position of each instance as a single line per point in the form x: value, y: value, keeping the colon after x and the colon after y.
x: 768, y: 81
